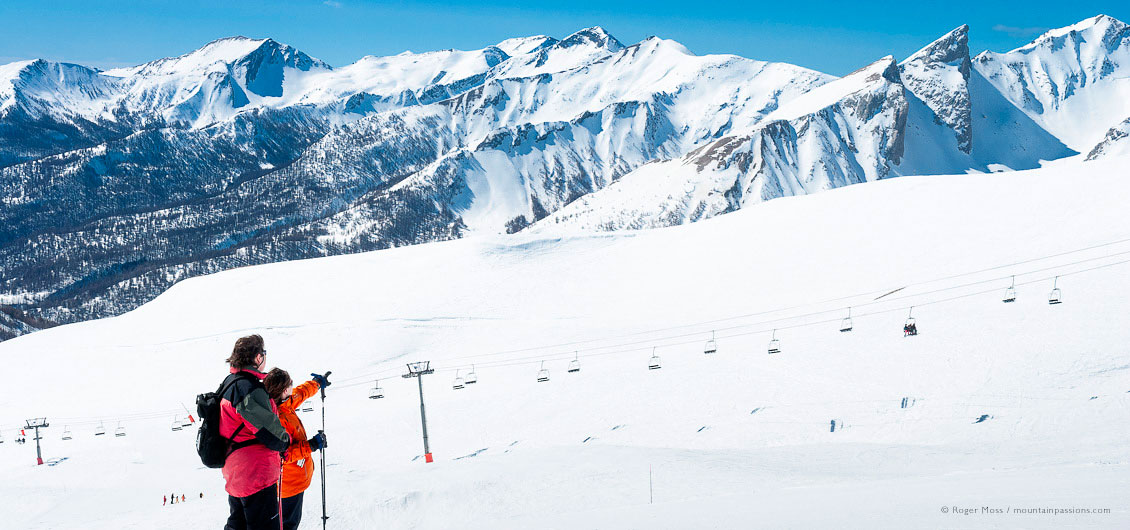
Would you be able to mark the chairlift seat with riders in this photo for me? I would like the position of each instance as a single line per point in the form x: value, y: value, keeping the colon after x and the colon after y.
x: 543, y: 374
x: 910, y: 328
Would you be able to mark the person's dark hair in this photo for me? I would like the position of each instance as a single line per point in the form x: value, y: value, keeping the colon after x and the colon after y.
x: 276, y: 382
x: 245, y: 350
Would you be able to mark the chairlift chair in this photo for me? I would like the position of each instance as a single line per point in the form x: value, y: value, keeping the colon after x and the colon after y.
x: 458, y: 384
x: 100, y: 430
x: 910, y: 328
x: 470, y: 378
x: 1010, y: 293
x: 774, y: 344
x: 845, y: 324
x: 120, y: 431
x: 376, y: 392
x: 543, y: 374
x: 176, y: 424
x: 711, y: 345
x: 575, y: 364
x: 306, y: 409
x: 1056, y: 296
x: 653, y: 363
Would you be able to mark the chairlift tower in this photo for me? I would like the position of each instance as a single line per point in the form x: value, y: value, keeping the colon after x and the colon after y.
x: 36, y: 423
x: 418, y: 370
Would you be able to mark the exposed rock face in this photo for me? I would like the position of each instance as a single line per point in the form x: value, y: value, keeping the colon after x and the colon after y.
x: 1115, y: 143
x: 939, y: 75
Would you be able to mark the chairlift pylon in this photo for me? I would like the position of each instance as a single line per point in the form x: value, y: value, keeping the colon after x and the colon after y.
x: 845, y: 324
x: 1055, y: 297
x: 543, y: 374
x: 711, y: 345
x: 470, y: 378
x: 653, y: 363
x: 376, y: 392
x: 774, y: 344
x: 458, y: 383
x: 1010, y: 293
x: 575, y: 364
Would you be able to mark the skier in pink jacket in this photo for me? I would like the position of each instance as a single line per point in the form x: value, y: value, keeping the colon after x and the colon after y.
x: 249, y: 418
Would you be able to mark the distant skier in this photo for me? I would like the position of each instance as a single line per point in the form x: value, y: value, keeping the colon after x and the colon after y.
x: 298, y: 462
x: 250, y: 419
x: 183, y: 498
x: 164, y: 500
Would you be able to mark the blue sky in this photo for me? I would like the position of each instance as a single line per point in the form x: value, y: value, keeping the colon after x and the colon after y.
x: 833, y: 37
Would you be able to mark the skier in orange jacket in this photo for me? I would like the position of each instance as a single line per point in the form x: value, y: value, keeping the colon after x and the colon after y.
x: 298, y: 461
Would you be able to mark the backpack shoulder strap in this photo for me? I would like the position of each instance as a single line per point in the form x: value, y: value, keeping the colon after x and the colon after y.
x: 223, y: 390
x: 229, y: 381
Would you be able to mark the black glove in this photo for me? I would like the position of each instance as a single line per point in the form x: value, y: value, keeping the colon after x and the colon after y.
x: 318, y: 442
x: 321, y: 379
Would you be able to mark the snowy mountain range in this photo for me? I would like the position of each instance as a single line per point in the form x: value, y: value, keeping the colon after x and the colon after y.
x: 116, y: 184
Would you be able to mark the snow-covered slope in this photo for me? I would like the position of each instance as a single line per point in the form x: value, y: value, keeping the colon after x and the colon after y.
x: 991, y: 404
x: 1073, y: 81
x: 844, y: 132
x: 117, y: 184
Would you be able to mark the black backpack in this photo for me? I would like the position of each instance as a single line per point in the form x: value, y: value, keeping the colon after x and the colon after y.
x: 213, y: 447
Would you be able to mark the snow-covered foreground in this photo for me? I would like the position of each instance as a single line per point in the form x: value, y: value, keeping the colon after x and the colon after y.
x: 737, y: 439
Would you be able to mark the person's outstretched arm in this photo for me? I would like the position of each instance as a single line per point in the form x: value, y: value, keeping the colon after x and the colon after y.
x: 302, y: 393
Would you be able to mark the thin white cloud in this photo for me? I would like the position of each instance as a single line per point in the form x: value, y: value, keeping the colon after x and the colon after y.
x: 1014, y: 31
x: 332, y: 3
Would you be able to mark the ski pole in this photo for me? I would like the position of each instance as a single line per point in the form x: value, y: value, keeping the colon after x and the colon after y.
x: 323, y: 457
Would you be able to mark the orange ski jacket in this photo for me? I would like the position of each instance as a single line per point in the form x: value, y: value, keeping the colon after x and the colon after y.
x: 298, y: 462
